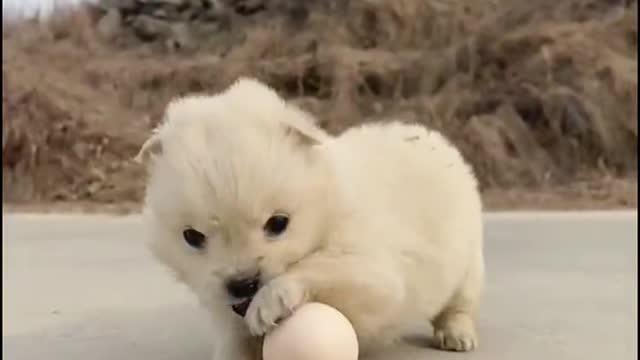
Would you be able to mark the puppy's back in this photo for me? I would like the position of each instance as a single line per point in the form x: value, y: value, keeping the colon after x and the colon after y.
x: 408, y: 172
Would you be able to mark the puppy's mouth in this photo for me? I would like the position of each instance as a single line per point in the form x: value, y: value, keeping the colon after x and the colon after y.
x: 241, y: 306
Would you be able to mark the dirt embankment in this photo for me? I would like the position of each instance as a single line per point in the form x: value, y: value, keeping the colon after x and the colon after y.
x: 540, y: 96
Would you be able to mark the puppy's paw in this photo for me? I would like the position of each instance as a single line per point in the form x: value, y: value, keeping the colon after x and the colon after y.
x: 273, y: 303
x: 456, y: 334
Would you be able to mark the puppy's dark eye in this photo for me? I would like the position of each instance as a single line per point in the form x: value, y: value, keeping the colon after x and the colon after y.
x: 194, y: 238
x: 276, y: 225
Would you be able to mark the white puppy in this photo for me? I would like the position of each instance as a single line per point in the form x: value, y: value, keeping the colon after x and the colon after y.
x: 259, y: 211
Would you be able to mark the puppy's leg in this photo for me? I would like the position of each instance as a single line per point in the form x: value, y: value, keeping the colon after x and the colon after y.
x: 454, y: 326
x: 367, y: 291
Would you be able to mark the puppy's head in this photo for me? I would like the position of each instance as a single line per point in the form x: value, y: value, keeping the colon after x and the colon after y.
x: 237, y: 190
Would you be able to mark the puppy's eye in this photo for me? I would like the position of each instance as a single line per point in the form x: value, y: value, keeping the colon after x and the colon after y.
x: 194, y: 238
x: 276, y: 225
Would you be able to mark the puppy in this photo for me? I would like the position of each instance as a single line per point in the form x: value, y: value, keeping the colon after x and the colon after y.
x: 258, y: 211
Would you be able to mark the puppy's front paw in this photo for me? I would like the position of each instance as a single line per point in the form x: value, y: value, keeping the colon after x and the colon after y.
x: 456, y: 333
x: 274, y: 302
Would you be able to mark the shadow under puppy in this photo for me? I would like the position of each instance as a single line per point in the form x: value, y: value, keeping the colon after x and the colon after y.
x: 258, y: 211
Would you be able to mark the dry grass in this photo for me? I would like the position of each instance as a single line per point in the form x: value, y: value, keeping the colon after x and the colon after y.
x: 540, y: 96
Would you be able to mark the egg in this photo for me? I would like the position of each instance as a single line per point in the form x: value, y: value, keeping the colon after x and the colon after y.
x: 314, y: 331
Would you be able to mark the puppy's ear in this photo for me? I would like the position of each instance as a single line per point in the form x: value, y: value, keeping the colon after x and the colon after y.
x: 304, y: 138
x: 151, y: 147
x: 247, y: 87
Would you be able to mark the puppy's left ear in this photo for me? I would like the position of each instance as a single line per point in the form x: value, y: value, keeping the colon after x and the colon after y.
x: 305, y: 138
x: 151, y: 147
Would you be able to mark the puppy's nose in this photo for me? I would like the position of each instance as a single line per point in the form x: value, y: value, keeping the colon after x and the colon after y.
x: 243, y: 287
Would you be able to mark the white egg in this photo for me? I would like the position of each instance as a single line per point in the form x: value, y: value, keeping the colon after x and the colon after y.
x: 314, y: 332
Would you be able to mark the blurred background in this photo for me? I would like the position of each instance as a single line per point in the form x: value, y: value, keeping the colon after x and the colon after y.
x: 539, y: 95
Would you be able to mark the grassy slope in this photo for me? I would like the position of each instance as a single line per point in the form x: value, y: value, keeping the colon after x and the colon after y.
x: 541, y: 98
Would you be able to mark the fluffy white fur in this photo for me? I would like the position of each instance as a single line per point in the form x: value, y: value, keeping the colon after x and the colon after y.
x: 385, y: 219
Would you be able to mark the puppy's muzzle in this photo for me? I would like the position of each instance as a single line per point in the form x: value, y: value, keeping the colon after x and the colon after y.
x: 242, y: 291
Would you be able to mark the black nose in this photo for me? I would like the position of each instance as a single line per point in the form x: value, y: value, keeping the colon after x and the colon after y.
x: 243, y: 287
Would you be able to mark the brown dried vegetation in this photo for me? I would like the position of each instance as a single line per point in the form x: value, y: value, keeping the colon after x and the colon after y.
x: 539, y: 95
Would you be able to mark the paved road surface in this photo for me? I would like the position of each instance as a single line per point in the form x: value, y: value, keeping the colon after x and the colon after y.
x: 561, y: 287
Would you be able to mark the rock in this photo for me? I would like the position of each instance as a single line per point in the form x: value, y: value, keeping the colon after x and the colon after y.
x: 195, y: 4
x: 180, y: 37
x: 160, y: 13
x: 119, y: 4
x: 213, y: 14
x: 109, y: 25
x: 247, y: 7
x: 164, y: 2
x: 188, y: 14
x: 175, y: 23
x: 149, y: 28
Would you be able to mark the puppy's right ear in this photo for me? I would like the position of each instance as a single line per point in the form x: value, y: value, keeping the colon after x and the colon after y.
x: 151, y: 147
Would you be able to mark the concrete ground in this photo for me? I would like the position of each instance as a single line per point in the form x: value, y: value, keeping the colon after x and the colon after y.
x: 561, y: 286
